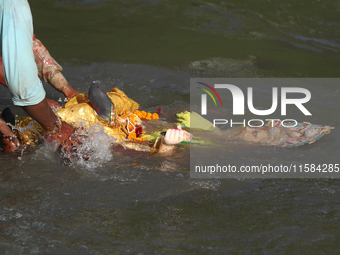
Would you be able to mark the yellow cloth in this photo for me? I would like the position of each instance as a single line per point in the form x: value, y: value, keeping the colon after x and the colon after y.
x: 30, y: 131
x: 121, y: 102
x: 79, y: 112
x: 79, y: 109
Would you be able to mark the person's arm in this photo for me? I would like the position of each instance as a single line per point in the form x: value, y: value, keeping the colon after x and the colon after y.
x: 43, y: 114
x: 20, y: 70
x: 40, y: 112
x: 50, y: 71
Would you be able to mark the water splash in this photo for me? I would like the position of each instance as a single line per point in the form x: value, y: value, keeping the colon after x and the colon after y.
x: 94, y: 149
x: 20, y: 129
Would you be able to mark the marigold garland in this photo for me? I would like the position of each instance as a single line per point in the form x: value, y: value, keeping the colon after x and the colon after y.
x: 133, y: 137
x: 128, y: 123
x: 146, y: 115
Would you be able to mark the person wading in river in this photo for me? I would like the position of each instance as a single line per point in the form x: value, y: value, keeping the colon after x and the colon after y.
x: 24, y: 58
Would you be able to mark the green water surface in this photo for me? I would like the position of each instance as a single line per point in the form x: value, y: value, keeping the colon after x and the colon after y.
x: 286, y: 38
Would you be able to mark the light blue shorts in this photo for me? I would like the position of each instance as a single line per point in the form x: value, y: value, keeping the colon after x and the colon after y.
x: 21, y: 73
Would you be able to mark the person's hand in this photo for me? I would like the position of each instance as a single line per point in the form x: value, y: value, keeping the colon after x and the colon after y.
x: 64, y: 132
x: 70, y: 145
x: 175, y: 136
x: 68, y: 139
x: 10, y: 144
x: 70, y: 92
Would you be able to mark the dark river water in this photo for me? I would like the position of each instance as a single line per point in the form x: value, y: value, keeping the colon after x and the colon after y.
x: 119, y: 204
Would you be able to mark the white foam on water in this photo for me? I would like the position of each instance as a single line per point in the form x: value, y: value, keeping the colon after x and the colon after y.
x: 95, y: 147
x: 206, y: 184
x: 223, y: 67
